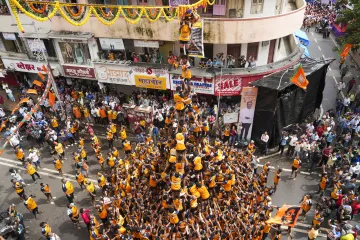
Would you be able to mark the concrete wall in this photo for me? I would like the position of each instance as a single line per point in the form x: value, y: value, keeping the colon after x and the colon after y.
x: 235, y: 4
x: 263, y: 54
x: 216, y: 30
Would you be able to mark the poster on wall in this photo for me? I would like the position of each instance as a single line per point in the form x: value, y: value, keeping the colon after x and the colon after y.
x: 198, y: 85
x: 111, y: 44
x: 231, y: 117
x: 196, y: 48
x: 114, y: 74
x: 175, y: 3
x: 228, y: 85
x: 75, y: 53
x: 247, y: 111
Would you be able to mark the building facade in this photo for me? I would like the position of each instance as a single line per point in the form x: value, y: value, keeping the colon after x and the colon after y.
x: 262, y: 29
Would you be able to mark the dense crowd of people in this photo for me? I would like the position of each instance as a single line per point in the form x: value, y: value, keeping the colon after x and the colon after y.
x: 177, y: 181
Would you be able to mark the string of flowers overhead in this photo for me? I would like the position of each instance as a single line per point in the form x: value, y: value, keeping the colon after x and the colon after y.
x: 79, y: 14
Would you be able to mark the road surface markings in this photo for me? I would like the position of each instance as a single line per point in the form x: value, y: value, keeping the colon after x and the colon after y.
x: 330, y: 68
x: 334, y: 41
x: 315, y: 40
x: 319, y: 48
x: 312, y: 33
x: 323, y: 56
x: 48, y: 172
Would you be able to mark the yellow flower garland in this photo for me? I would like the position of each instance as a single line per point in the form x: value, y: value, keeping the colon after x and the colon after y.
x: 57, y: 7
x: 102, y: 20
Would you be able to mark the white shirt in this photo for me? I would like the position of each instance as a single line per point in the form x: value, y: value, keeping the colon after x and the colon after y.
x: 346, y: 102
x: 247, y: 115
x: 16, y: 177
x: 265, y: 138
x: 293, y: 141
x: 355, y: 169
x: 341, y: 85
x: 14, y: 141
x: 33, y: 156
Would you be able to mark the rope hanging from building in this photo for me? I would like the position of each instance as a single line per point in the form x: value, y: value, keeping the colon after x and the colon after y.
x: 79, y: 14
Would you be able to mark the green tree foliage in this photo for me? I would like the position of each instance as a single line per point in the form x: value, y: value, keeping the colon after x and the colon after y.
x: 352, y: 18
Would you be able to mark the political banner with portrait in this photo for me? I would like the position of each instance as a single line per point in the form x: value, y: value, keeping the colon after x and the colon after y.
x: 196, y: 46
x: 247, y: 111
x: 287, y: 215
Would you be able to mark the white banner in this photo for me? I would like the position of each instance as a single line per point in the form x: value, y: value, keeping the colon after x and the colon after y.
x: 198, y: 85
x: 114, y: 74
x: 111, y: 44
x: 148, y: 44
x: 231, y: 117
x: 9, y: 36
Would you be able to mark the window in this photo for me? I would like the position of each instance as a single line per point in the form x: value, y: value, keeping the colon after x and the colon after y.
x: 257, y: 6
x: 143, y: 2
x: 219, y: 8
x: 75, y: 53
x: 46, y: 44
x: 252, y: 50
x: 12, y: 44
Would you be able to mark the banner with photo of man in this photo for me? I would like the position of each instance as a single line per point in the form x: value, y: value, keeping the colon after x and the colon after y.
x: 247, y: 111
x: 196, y: 47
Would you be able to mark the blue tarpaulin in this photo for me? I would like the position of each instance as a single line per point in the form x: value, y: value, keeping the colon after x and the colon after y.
x: 306, y: 51
x: 301, y: 35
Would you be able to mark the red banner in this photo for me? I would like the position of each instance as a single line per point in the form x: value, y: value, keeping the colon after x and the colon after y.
x: 231, y: 85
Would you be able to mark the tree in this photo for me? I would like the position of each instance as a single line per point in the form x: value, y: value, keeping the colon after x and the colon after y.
x: 352, y: 18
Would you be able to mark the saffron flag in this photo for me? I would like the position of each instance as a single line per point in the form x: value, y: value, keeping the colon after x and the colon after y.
x: 31, y: 91
x: 299, y: 78
x: 286, y: 215
x: 37, y: 83
x: 345, y: 52
x: 51, y: 99
x: 41, y: 76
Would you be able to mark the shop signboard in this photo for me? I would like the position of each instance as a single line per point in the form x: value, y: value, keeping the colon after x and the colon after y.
x: 150, y: 78
x: 231, y: 85
x: 111, y: 43
x: 26, y: 66
x: 198, y: 85
x: 114, y: 74
x: 147, y: 44
x: 152, y: 82
x: 79, y: 72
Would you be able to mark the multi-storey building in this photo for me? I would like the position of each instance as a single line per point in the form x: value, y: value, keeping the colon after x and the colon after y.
x: 262, y: 29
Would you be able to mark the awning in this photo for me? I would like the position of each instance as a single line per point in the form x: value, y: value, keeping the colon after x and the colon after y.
x: 34, y: 35
x: 70, y: 35
x: 306, y: 51
x: 301, y: 35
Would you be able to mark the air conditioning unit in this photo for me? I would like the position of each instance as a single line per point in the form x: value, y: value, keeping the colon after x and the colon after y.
x: 265, y: 43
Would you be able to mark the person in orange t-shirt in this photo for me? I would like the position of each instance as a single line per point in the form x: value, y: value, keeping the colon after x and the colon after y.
x: 77, y: 112
x: 103, y: 115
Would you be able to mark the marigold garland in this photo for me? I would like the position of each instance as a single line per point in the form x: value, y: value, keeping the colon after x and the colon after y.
x: 39, y: 11
x: 131, y: 14
x: 69, y: 8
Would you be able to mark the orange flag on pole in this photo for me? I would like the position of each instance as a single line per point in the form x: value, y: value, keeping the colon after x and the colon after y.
x: 37, y: 83
x: 51, y: 99
x: 299, y: 78
x: 41, y: 76
x: 345, y: 52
